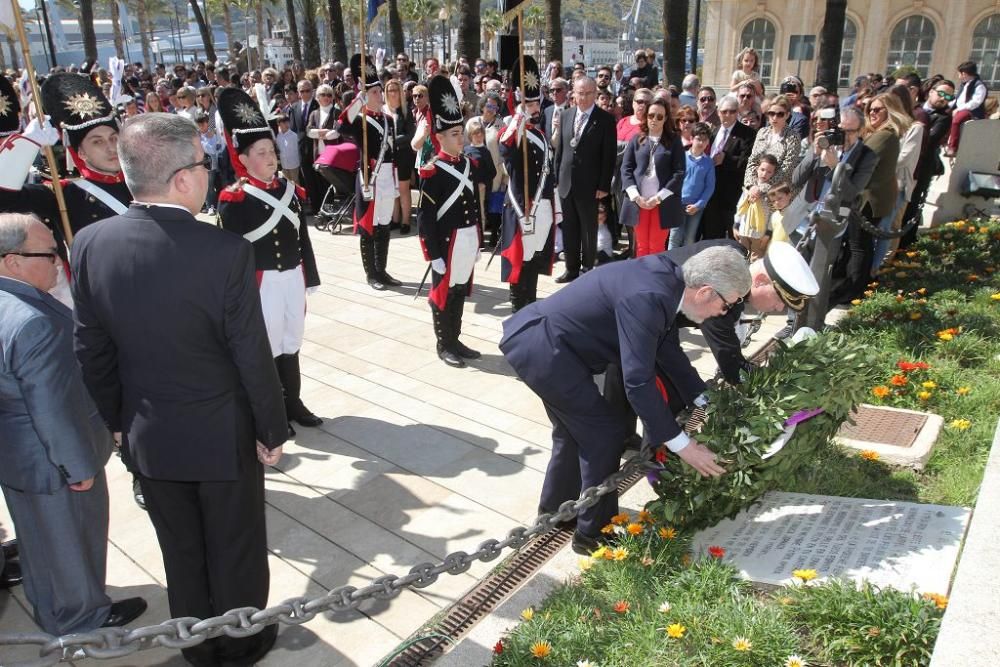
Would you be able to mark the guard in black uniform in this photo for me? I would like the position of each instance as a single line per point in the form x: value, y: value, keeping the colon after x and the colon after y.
x: 375, y: 199
x: 448, y: 221
x: 90, y: 137
x: 528, y: 224
x: 266, y: 210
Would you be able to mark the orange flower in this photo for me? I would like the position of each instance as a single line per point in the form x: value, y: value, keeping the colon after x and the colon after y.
x: 881, y: 391
x: 541, y: 649
x: 940, y: 601
x: 608, y: 529
x: 716, y: 552
x: 621, y: 607
x: 971, y: 278
x: 619, y: 519
x: 668, y: 533
x: 645, y: 517
x: 869, y: 455
x: 898, y: 381
x: 634, y: 529
x: 900, y: 298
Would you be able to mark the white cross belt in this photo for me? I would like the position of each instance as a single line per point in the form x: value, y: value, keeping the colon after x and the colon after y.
x: 281, y: 210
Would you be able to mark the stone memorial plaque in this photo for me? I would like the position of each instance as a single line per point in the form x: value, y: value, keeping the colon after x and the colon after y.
x: 889, y: 543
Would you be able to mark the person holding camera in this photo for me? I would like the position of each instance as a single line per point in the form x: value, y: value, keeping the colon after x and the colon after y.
x: 842, y: 144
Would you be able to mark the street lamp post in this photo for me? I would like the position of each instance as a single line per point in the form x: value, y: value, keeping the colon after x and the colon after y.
x: 443, y: 17
x: 48, y: 34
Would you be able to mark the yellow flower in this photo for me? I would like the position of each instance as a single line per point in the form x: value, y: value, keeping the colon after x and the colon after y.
x: 930, y: 384
x: 855, y: 302
x: 599, y: 553
x: 808, y: 575
x: 995, y: 296
x: 961, y: 424
x: 912, y: 254
x: 940, y: 601
x: 922, y: 291
x: 794, y: 661
x: 528, y: 614
x: 924, y: 395
x: 634, y: 529
x: 742, y: 644
x: 945, y: 335
x: 665, y: 608
x: 984, y: 230
x: 915, y: 315
x: 963, y: 391
x: 541, y: 650
x: 608, y: 529
x: 585, y: 563
x: 645, y: 517
x: 668, y: 533
x: 867, y: 455
x: 676, y: 630
x: 881, y: 391
x: 619, y: 553
x: 785, y: 600
x: 619, y: 519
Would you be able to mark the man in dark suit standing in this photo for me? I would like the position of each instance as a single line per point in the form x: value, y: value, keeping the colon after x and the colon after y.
x: 171, y: 340
x: 585, y: 159
x: 298, y: 122
x: 731, y: 146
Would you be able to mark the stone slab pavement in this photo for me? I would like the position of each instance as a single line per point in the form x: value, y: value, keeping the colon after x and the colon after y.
x: 413, y: 461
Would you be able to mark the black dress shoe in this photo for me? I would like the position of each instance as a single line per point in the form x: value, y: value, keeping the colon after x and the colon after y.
x: 404, y: 230
x: 388, y: 280
x: 11, y: 576
x: 124, y: 612
x: 10, y: 550
x: 567, y: 277
x: 291, y: 430
x: 449, y: 357
x: 375, y: 283
x: 137, y: 495
x: 464, y: 351
x: 586, y: 545
x: 569, y: 524
x: 304, y: 417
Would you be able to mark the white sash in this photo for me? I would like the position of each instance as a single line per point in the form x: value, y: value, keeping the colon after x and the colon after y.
x: 100, y: 195
x: 281, y: 210
x: 463, y: 182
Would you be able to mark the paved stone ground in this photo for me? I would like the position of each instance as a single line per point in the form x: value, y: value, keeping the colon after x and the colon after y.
x: 414, y: 460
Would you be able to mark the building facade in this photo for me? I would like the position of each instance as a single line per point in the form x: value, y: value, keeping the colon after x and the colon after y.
x: 933, y: 36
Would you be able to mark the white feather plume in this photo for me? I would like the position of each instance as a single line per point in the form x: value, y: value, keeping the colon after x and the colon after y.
x: 457, y: 85
x: 266, y: 106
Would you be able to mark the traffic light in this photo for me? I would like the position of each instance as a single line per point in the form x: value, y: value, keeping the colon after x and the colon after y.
x: 581, y: 49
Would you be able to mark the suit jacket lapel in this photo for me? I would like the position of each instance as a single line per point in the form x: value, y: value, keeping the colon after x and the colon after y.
x: 26, y: 292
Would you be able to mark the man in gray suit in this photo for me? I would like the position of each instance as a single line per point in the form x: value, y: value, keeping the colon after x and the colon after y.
x: 54, y: 444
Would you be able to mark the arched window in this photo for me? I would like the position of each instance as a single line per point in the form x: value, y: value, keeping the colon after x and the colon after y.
x: 847, y: 54
x: 911, y: 43
x: 759, y: 35
x: 985, y: 47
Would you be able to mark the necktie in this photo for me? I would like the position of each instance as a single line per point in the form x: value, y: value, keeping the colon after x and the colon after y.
x: 581, y: 118
x: 722, y: 143
x: 305, y: 114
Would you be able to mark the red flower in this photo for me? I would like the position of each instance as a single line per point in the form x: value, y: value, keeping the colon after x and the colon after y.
x: 909, y: 366
x: 716, y: 552
x: 661, y: 455
x: 498, y: 648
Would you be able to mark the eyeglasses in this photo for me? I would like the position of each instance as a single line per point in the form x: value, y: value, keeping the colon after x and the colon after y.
x: 51, y: 255
x: 875, y: 110
x: 945, y: 95
x: 746, y: 96
x: 726, y: 306
x: 417, y: 96
x: 706, y: 99
x: 776, y: 114
x: 727, y: 111
x: 325, y: 95
x: 205, y: 162
x: 656, y: 116
x: 687, y: 120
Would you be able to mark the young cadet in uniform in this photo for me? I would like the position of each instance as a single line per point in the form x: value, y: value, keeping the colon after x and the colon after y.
x: 90, y: 136
x: 528, y: 226
x: 266, y: 210
x: 448, y: 221
x: 376, y: 198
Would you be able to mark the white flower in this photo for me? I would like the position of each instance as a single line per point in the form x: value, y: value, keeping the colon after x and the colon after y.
x: 665, y: 608
x: 794, y: 661
x: 585, y: 663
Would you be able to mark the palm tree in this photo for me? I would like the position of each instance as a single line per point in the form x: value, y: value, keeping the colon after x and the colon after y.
x: 87, y: 32
x: 419, y: 14
x: 534, y: 19
x: 262, y: 32
x: 492, y: 24
x: 310, y: 35
x: 206, y: 33
x: 553, y: 30
x: 116, y: 29
x: 675, y: 29
x: 831, y: 38
x: 468, y: 30
x: 226, y: 8
x: 293, y: 29
x: 142, y: 14
x: 338, y: 46
x: 396, y: 38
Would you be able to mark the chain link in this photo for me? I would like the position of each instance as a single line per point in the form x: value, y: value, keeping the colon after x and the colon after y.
x: 180, y: 633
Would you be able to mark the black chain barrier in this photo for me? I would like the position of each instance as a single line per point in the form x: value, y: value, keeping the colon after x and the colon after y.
x: 180, y: 633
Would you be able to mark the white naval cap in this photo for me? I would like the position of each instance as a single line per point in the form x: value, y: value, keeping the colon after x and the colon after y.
x: 790, y: 274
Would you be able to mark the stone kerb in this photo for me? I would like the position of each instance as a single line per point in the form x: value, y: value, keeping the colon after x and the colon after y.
x: 972, y: 619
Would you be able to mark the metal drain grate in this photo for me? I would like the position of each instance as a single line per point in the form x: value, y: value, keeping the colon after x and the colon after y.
x: 886, y: 427
x: 489, y: 593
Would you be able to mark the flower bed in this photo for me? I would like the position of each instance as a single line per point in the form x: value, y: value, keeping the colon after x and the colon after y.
x: 926, y: 336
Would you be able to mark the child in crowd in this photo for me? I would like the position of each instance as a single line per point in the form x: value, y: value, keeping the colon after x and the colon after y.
x: 214, y: 147
x: 605, y: 249
x: 483, y: 173
x: 699, y: 185
x: 753, y: 226
x: 787, y: 214
x: 288, y: 150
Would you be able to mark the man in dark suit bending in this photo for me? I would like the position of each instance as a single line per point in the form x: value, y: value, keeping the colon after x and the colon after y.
x: 585, y: 159
x: 171, y: 339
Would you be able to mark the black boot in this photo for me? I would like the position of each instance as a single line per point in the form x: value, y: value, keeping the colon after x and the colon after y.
x: 455, y: 308
x: 279, y: 365
x: 443, y: 333
x: 382, y: 256
x: 368, y: 262
x: 530, y: 280
x: 518, y: 294
x: 292, y: 379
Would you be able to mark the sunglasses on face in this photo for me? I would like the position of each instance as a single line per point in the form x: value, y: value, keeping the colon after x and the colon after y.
x: 776, y: 114
x: 874, y: 110
x: 726, y: 306
x: 656, y: 116
x: 945, y: 95
x: 687, y: 120
x: 205, y: 162
x: 51, y: 255
x: 746, y: 96
x: 706, y: 99
x: 417, y: 96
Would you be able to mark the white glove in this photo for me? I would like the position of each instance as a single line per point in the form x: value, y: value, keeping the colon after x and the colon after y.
x: 312, y: 290
x: 44, y: 135
x: 439, y: 266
